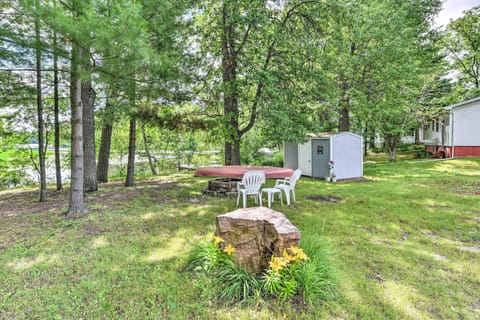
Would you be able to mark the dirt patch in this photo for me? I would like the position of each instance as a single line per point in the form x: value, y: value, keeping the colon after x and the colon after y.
x: 375, y: 276
x: 325, y: 198
x: 359, y: 179
x: 476, y: 306
x: 110, y: 196
x: 439, y: 257
x: 438, y: 207
x: 469, y: 249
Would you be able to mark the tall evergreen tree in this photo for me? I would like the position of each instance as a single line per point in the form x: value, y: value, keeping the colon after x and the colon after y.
x: 56, y: 111
x: 40, y: 122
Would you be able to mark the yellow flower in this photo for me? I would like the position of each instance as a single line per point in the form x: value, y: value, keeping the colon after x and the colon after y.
x: 294, y: 249
x: 217, y: 240
x: 287, y: 256
x: 229, y: 249
x: 298, y: 253
x: 277, y: 263
x: 301, y: 255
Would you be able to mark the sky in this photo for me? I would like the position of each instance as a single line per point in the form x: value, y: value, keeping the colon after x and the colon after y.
x: 453, y: 9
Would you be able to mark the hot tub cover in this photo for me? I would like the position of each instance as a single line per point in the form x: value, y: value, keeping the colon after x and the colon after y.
x: 236, y: 172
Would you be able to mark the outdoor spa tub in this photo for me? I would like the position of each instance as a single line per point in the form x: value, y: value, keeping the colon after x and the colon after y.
x: 237, y: 172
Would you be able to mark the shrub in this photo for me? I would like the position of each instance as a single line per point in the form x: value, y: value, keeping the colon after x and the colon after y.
x: 274, y: 161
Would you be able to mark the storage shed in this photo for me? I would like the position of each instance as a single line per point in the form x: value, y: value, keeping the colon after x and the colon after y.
x: 312, y: 157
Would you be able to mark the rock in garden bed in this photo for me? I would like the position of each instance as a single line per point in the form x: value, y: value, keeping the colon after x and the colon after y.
x: 257, y: 233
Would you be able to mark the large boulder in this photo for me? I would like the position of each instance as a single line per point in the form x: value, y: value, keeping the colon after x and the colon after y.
x: 256, y: 233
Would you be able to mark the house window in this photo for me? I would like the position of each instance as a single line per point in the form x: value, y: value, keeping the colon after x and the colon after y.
x: 437, y: 126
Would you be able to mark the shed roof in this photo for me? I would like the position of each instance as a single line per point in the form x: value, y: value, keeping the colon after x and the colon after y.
x: 328, y: 135
x: 461, y: 104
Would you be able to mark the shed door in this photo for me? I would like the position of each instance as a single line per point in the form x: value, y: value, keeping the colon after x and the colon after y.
x: 305, y: 158
x: 320, y: 157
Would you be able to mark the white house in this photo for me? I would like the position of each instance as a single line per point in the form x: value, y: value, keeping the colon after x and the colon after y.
x: 457, y: 133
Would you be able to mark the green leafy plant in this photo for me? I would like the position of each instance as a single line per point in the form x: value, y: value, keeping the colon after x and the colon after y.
x: 316, y: 279
x: 280, y: 279
x: 235, y: 283
x: 204, y: 257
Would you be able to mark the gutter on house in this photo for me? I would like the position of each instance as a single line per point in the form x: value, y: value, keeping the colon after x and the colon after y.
x: 451, y: 133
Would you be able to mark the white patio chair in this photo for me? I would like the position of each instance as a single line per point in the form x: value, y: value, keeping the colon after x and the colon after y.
x: 251, y: 182
x: 288, y: 184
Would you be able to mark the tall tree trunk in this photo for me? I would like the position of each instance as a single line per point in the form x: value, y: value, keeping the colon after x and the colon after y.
x: 56, y: 111
x: 230, y: 94
x: 371, y: 138
x: 151, y: 160
x: 365, y: 141
x: 76, y: 204
x: 88, y: 101
x: 344, y: 119
x: 391, y: 142
x: 130, y: 180
x: 106, y: 138
x: 104, y: 153
x: 232, y: 151
x: 41, y: 150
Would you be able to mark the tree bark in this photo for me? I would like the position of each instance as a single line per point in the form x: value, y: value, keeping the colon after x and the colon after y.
x: 344, y: 119
x: 104, y: 153
x: 391, y: 142
x: 56, y: 111
x: 76, y: 203
x: 88, y: 102
x: 232, y: 152
x: 106, y: 138
x: 230, y: 94
x: 344, y: 122
x: 365, y: 141
x: 151, y: 160
x: 130, y: 180
x: 41, y: 150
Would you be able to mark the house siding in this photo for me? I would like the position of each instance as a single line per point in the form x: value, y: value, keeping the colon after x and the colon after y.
x: 466, y: 125
x: 460, y: 130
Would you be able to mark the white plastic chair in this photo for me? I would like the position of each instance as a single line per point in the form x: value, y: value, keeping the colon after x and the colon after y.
x: 251, y: 182
x: 288, y: 184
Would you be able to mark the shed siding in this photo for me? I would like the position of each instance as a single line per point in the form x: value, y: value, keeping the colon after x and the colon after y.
x: 305, y: 158
x: 347, y: 155
x: 290, y: 152
x: 466, y: 126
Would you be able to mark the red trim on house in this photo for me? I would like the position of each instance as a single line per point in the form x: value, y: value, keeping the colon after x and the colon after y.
x: 462, y: 151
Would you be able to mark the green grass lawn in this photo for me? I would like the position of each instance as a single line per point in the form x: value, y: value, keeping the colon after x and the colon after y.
x: 405, y: 243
